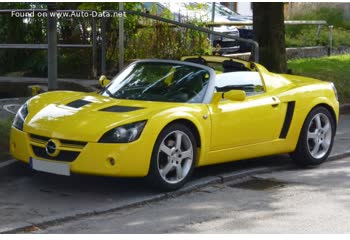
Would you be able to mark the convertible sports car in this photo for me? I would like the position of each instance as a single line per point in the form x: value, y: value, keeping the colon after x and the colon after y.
x: 160, y: 119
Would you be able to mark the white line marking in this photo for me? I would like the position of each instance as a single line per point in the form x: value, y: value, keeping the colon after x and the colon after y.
x: 7, y: 106
x: 8, y: 162
x: 8, y: 99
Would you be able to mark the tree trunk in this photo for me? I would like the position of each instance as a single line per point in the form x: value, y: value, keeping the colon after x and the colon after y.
x: 268, y: 25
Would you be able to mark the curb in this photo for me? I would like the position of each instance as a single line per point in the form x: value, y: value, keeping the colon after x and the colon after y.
x: 7, y: 163
x: 338, y: 156
x: 344, y: 108
x: 192, y: 186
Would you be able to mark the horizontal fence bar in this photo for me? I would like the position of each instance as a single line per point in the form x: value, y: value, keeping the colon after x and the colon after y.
x: 74, y: 45
x: 249, y: 23
x: 42, y: 46
x: 23, y: 46
x: 306, y: 22
x: 5, y: 11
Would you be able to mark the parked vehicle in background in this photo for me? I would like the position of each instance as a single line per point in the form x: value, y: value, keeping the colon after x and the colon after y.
x: 202, y: 12
x: 226, y: 15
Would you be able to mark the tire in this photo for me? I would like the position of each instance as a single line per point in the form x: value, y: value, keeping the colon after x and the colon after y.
x: 173, y: 158
x: 316, y: 138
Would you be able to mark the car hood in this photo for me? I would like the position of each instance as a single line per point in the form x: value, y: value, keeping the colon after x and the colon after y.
x: 85, y: 116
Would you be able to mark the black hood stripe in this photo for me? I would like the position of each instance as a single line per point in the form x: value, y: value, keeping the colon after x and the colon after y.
x: 119, y: 109
x: 78, y: 103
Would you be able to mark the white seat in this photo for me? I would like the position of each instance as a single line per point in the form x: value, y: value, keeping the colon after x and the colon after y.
x: 237, y: 78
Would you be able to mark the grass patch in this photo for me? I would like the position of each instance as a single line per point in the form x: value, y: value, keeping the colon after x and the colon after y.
x: 5, y: 126
x: 334, y: 69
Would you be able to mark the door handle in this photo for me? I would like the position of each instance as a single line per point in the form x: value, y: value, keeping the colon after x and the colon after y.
x: 276, y: 102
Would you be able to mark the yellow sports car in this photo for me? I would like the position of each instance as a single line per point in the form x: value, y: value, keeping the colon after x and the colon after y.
x: 160, y: 119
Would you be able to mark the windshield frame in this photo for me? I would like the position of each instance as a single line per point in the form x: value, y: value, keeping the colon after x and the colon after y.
x: 211, y: 82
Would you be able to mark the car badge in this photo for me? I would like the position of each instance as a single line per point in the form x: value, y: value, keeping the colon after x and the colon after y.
x: 52, y: 148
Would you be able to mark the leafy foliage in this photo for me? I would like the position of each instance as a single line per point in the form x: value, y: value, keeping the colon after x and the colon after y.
x: 297, y: 36
x: 154, y: 39
x: 144, y: 38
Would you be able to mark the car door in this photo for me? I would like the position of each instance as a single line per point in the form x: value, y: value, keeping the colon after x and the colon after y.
x: 257, y: 119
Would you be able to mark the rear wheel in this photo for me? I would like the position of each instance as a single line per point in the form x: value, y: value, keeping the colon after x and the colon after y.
x: 316, y: 138
x: 173, y: 158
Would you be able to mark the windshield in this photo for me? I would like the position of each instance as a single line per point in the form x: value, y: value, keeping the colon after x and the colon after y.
x: 160, y: 81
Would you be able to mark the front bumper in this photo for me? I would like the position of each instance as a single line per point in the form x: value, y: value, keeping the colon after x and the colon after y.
x: 130, y: 159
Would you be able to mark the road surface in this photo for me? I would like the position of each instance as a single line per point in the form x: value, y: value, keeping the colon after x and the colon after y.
x: 295, y: 201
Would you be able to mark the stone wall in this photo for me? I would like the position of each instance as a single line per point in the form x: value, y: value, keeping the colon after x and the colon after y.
x: 318, y: 51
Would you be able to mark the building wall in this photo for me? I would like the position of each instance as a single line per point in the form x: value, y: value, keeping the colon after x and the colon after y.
x: 245, y: 8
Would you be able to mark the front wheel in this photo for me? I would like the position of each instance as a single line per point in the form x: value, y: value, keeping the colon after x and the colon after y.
x: 173, y: 158
x: 316, y: 138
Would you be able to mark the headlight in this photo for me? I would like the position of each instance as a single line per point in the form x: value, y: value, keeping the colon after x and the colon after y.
x: 335, y: 90
x: 20, y: 117
x: 124, y: 134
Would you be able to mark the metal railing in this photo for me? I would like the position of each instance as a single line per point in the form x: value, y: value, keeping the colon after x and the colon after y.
x: 52, y: 45
x: 318, y: 23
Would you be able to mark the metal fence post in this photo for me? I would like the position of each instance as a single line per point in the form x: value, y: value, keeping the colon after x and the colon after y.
x: 319, y: 27
x: 94, y: 48
x: 103, y: 46
x: 52, y: 47
x: 213, y: 20
x: 121, y: 37
x: 330, y: 28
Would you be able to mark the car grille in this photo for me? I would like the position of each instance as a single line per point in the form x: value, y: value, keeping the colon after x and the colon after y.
x: 69, y: 149
x: 225, y: 44
x: 64, y: 143
x: 64, y: 156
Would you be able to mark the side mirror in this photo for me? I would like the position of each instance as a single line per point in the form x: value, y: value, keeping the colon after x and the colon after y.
x: 233, y: 95
x: 104, y: 81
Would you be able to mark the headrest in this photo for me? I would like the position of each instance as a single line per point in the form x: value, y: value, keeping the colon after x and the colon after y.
x: 236, y: 66
x: 198, y: 60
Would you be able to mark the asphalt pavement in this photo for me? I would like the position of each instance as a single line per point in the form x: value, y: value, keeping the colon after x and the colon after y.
x: 9, y: 106
x: 291, y: 202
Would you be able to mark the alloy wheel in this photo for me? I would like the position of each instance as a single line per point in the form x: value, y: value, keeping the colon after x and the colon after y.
x: 319, y: 135
x: 175, y: 157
